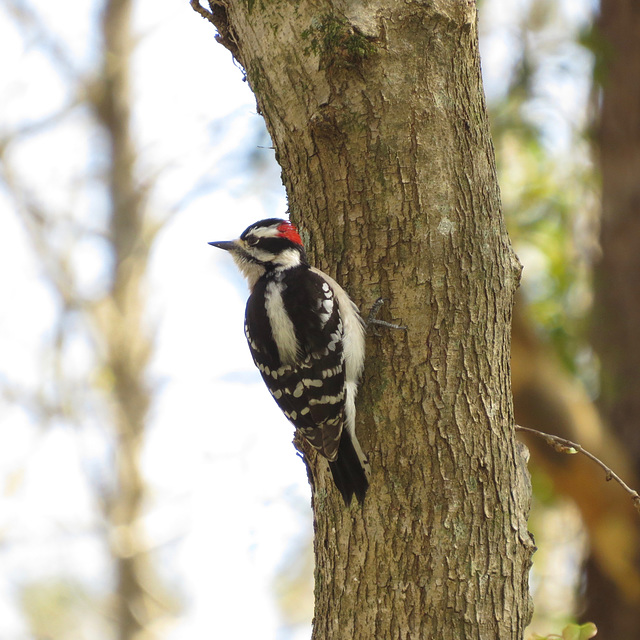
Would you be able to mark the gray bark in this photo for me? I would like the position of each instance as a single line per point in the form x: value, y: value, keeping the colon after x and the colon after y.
x: 377, y: 114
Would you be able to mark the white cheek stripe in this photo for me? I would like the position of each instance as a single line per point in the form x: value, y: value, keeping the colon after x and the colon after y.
x: 265, y: 232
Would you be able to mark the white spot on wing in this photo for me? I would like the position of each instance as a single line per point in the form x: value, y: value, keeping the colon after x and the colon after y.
x: 353, y: 341
x: 328, y: 373
x: 327, y: 399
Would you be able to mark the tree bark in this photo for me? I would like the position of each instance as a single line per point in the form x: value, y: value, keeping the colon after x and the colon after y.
x: 617, y: 296
x: 377, y: 115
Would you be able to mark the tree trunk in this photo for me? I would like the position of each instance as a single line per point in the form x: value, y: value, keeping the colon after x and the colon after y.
x: 617, y: 296
x: 377, y: 116
x: 118, y: 320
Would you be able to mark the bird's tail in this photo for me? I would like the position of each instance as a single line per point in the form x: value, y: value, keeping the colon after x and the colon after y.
x: 350, y: 470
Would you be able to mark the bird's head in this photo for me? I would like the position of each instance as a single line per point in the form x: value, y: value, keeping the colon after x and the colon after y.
x: 266, y: 245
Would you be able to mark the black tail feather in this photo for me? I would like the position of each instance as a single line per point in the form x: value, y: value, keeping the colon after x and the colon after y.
x: 348, y: 471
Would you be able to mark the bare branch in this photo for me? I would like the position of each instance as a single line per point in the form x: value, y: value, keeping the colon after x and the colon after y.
x: 218, y: 18
x: 561, y: 445
x: 38, y: 126
x: 37, y: 222
x: 198, y: 8
x: 34, y: 28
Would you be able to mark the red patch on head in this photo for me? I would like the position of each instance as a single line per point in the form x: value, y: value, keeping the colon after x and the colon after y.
x: 289, y: 231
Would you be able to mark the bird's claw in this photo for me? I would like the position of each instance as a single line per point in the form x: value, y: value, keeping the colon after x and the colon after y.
x: 372, y: 320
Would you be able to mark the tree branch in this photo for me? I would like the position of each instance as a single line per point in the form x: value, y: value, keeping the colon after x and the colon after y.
x: 561, y: 445
x: 219, y: 19
x: 36, y: 31
x: 198, y: 8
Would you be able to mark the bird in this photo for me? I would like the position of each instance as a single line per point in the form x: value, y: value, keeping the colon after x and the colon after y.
x: 307, y: 339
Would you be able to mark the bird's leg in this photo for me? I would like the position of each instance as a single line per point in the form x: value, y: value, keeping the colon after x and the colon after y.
x: 372, y: 320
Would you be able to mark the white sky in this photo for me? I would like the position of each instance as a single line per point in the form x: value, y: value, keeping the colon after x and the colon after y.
x: 225, y: 481
x: 226, y: 485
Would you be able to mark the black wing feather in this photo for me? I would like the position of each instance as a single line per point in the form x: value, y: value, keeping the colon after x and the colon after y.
x: 311, y: 390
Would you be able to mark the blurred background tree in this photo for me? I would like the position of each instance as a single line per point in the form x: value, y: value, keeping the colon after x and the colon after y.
x: 93, y: 518
x: 109, y: 326
x: 616, y: 312
x: 108, y: 319
x: 571, y: 204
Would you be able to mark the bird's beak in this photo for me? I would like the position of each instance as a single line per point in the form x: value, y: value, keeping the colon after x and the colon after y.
x: 227, y: 245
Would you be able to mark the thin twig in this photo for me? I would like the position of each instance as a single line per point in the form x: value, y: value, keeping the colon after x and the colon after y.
x: 35, y: 29
x: 566, y: 446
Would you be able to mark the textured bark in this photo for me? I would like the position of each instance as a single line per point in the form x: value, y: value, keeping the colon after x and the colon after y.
x: 377, y: 115
x: 617, y: 295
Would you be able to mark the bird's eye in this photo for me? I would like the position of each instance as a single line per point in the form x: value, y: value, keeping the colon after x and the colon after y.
x: 252, y: 242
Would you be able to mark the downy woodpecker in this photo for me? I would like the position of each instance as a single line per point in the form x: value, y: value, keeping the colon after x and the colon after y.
x: 306, y: 337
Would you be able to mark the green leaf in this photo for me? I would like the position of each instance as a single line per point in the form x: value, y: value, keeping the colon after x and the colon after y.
x: 579, y: 631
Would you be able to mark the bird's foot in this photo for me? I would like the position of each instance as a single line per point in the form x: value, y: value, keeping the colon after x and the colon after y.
x: 372, y: 320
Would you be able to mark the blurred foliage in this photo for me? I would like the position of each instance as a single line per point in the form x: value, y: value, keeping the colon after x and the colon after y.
x: 293, y: 586
x: 562, y: 543
x: 549, y: 185
x: 550, y: 200
x: 573, y: 632
x: 57, y: 608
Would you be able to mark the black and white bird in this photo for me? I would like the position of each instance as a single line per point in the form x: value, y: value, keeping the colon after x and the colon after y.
x: 307, y: 339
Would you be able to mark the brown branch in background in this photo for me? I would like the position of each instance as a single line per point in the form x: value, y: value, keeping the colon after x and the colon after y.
x: 561, y: 445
